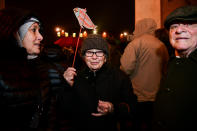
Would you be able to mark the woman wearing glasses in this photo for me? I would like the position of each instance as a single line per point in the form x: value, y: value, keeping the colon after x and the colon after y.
x: 102, y: 94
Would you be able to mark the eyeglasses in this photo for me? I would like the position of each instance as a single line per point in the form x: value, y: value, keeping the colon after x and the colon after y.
x: 97, y: 53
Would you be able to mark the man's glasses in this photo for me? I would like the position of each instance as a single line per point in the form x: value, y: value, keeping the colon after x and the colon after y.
x: 97, y: 53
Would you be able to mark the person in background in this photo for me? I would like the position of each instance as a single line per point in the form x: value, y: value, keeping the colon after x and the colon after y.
x: 114, y: 53
x: 144, y: 60
x: 21, y: 98
x: 102, y: 95
x: 175, y: 106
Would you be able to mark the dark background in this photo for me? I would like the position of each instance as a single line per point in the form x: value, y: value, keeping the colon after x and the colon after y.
x: 111, y: 16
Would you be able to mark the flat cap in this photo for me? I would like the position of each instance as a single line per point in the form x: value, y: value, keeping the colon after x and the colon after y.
x: 182, y: 14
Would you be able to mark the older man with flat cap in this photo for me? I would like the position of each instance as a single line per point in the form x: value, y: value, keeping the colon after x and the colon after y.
x: 176, y: 102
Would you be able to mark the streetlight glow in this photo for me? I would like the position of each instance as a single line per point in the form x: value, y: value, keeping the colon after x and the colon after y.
x: 94, y: 31
x: 125, y: 33
x: 121, y: 35
x: 85, y: 34
x: 81, y: 35
x: 58, y: 34
x: 104, y: 34
x: 63, y: 32
x: 74, y: 34
x: 57, y: 29
x: 66, y: 34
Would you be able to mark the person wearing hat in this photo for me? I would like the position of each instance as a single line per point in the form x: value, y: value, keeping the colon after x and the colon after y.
x: 20, y: 93
x: 102, y: 94
x: 144, y: 60
x: 175, y: 107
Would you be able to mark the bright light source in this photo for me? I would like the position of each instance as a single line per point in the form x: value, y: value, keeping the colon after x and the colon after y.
x: 62, y: 32
x: 125, y: 33
x: 121, y: 35
x: 94, y: 31
x: 81, y: 35
x: 104, y: 35
x: 58, y: 34
x: 57, y: 29
x: 66, y: 34
x: 74, y: 34
x: 85, y: 34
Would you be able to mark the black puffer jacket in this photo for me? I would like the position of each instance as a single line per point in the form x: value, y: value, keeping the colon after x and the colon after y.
x: 20, y: 94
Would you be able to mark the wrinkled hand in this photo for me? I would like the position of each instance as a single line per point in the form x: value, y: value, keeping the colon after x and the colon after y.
x: 69, y: 75
x: 104, y: 108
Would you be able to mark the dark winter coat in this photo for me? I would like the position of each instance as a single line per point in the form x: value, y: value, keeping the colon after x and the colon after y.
x: 19, y: 92
x: 107, y: 84
x: 22, y: 101
x: 51, y: 67
x: 175, y: 107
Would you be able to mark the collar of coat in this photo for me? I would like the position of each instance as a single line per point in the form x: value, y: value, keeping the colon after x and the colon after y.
x: 192, y: 56
x: 88, y: 73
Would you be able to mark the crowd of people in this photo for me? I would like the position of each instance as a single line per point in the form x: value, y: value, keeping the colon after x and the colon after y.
x: 148, y: 86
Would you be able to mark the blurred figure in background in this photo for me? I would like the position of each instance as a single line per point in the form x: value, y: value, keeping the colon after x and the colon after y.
x: 144, y: 60
x: 162, y: 34
x: 114, y: 53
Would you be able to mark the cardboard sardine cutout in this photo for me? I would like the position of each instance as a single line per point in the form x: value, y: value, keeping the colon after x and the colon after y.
x: 83, y: 19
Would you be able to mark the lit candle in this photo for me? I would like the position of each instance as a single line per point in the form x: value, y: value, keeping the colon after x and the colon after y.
x: 80, y: 35
x: 121, y: 35
x: 66, y: 34
x: 85, y: 34
x: 74, y: 34
x: 104, y: 34
x: 58, y: 34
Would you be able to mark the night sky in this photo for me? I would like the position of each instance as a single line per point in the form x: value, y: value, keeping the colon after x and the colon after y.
x: 109, y: 15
